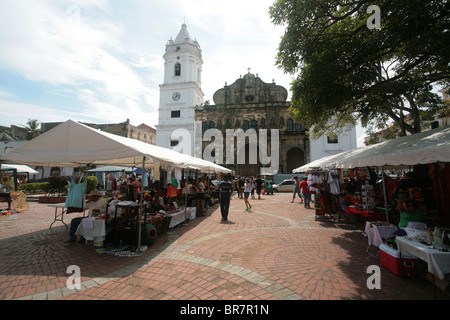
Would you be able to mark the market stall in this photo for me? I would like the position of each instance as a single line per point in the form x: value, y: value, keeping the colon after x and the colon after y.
x: 415, y: 204
x: 359, y: 168
x: 72, y: 144
x: 10, y: 190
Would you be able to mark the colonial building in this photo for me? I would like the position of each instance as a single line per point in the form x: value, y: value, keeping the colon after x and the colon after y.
x: 142, y: 132
x: 250, y: 103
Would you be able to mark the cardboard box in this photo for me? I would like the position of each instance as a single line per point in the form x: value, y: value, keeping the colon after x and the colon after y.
x: 390, y: 259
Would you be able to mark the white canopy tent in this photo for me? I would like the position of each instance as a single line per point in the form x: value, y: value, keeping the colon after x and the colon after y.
x: 426, y: 147
x: 316, y: 164
x: 72, y: 144
x: 20, y: 168
x: 111, y: 169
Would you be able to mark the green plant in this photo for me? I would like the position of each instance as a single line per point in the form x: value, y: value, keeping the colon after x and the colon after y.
x: 57, y: 184
x: 92, y: 182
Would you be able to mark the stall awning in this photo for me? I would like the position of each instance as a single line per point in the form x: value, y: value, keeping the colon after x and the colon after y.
x: 425, y: 147
x: 20, y: 168
x: 72, y: 144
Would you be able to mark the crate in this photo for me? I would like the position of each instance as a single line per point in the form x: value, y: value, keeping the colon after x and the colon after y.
x: 407, y: 266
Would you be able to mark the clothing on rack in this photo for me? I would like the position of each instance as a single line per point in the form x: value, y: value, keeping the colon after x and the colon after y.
x: 75, y: 195
x: 333, y: 182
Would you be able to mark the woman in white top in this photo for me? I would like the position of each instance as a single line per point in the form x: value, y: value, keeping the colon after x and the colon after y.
x: 247, y: 190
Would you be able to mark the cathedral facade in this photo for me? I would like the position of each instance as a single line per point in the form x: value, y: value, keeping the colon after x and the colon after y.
x: 251, y: 103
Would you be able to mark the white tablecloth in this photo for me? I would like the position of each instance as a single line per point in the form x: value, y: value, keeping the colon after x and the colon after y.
x: 376, y: 234
x: 181, y: 216
x: 191, y: 213
x: 438, y: 261
x: 91, y: 229
x: 176, y: 218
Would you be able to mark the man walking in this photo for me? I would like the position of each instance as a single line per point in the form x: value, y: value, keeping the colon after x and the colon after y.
x: 225, y: 189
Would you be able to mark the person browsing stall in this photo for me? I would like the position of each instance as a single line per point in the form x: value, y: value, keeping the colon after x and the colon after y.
x: 305, y: 192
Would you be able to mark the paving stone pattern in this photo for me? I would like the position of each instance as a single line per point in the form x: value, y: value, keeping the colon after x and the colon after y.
x: 275, y: 251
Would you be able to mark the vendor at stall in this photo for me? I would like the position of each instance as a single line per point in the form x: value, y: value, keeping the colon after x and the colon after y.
x: 157, y: 203
x: 411, y: 214
x: 96, y: 206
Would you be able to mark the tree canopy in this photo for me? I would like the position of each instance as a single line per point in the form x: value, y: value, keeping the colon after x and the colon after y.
x: 348, y: 70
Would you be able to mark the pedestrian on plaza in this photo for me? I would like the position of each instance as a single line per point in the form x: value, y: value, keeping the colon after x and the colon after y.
x: 305, y: 192
x: 296, y: 190
x: 247, y: 190
x: 259, y: 185
x: 225, y: 191
x: 241, y: 183
x: 252, y: 183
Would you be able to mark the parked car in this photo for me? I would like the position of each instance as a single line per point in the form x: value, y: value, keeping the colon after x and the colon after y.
x: 285, y: 185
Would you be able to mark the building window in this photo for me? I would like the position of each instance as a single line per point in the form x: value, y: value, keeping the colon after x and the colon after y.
x: 228, y: 124
x: 272, y: 121
x: 204, y: 126
x: 173, y: 143
x: 298, y: 127
x: 177, y: 69
x: 281, y: 121
x: 332, y: 140
x: 246, y: 125
x: 55, y: 171
x: 212, y: 125
x: 290, y: 124
x: 176, y: 114
x: 254, y: 125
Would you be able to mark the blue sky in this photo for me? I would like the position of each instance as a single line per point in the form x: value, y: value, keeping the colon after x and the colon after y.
x: 101, y: 60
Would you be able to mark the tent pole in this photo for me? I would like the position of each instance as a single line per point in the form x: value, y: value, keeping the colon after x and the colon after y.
x: 185, y: 207
x: 138, y: 249
x: 384, y: 194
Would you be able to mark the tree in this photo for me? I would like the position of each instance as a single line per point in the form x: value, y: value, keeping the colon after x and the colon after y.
x: 33, y: 128
x: 349, y: 71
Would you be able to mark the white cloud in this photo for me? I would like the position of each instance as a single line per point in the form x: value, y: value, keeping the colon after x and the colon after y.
x: 61, y: 45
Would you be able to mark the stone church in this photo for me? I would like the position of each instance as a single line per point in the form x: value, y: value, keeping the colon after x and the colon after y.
x: 251, y: 103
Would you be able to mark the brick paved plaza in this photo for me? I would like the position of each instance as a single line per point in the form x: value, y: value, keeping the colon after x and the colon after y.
x: 276, y: 251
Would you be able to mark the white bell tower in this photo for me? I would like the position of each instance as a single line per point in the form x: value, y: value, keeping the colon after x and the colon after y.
x: 180, y: 92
